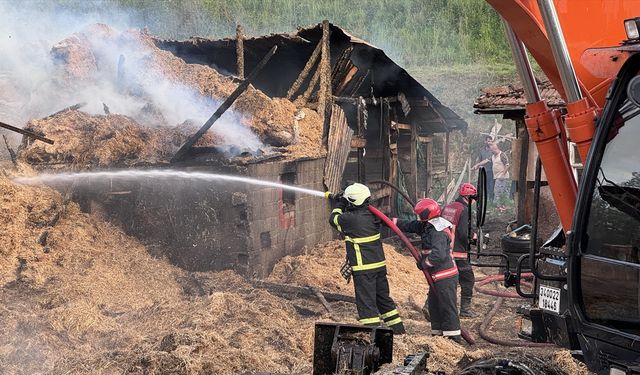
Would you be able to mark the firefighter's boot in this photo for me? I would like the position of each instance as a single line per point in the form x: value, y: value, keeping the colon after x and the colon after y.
x: 425, y: 312
x: 465, y: 308
x: 457, y: 339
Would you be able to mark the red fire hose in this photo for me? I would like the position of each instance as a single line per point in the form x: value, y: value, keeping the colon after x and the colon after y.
x: 388, y: 222
x: 499, y: 293
x: 464, y: 333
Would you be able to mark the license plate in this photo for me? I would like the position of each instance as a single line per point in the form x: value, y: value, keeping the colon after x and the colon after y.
x: 549, y: 299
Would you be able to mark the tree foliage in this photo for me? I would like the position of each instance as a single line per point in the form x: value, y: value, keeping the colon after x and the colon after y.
x: 414, y: 32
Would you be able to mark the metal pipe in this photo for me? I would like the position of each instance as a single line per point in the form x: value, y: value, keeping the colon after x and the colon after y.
x: 523, y: 66
x: 560, y: 50
x: 533, y: 249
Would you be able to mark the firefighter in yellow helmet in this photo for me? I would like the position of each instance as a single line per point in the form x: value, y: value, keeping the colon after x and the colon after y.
x: 361, y: 231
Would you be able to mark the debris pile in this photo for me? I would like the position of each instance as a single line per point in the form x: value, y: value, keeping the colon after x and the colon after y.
x: 82, y: 140
x: 160, y: 100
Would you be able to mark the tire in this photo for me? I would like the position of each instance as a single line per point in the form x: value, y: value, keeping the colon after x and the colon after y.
x: 515, y: 245
x: 514, y: 248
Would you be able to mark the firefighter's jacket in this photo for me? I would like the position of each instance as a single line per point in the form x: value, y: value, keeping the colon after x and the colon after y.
x: 436, y: 245
x: 361, y: 231
x: 457, y: 212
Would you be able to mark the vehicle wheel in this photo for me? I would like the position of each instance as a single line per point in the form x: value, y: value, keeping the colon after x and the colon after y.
x: 515, y: 245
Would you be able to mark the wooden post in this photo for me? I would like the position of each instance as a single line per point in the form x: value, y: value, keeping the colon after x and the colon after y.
x: 446, y: 163
x: 413, y: 183
x: 325, y: 94
x: 429, y: 165
x: 240, y: 51
x: 361, y: 134
x: 393, y: 174
x: 523, y: 145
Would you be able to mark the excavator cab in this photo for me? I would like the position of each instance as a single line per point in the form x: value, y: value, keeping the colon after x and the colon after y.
x: 588, y: 290
x: 604, y: 246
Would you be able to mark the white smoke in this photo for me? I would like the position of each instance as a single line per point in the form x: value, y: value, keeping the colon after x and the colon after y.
x: 30, y: 77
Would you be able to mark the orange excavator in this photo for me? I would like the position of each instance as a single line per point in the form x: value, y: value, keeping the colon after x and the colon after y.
x: 587, y: 293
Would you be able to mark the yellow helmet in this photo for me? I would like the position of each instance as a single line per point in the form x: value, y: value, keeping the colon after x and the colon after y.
x: 357, y: 193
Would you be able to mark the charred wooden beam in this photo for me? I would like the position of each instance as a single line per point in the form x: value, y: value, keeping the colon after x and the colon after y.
x: 305, y: 71
x: 224, y: 106
x: 240, y: 51
x: 27, y: 133
x: 12, y: 153
x: 294, y: 291
x: 324, y: 302
x: 74, y: 107
x: 324, y: 94
x: 309, y: 91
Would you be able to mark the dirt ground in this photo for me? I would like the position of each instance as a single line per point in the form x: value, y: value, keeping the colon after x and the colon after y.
x: 79, y: 296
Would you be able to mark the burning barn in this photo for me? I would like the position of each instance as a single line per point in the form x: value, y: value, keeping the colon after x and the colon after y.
x: 378, y: 118
x: 327, y: 108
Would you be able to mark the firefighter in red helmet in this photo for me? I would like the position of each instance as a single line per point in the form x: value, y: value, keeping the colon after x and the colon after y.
x: 436, y: 257
x: 457, y: 212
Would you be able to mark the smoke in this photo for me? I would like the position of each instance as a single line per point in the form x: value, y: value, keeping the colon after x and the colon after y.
x: 38, y: 39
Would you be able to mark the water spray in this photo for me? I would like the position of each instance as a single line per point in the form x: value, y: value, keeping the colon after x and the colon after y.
x: 48, y: 178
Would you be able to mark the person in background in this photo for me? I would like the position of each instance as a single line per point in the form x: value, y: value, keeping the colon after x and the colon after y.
x: 502, y: 185
x: 436, y: 258
x: 361, y: 230
x: 457, y: 212
x: 485, y: 161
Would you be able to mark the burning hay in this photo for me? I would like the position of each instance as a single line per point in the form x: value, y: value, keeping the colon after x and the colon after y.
x: 83, y: 140
x: 152, y: 90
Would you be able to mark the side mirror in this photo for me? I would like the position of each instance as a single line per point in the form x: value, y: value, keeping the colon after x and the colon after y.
x: 481, y: 199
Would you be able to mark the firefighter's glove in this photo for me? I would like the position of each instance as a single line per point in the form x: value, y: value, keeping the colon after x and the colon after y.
x: 335, y: 197
x: 346, y: 271
x: 422, y: 262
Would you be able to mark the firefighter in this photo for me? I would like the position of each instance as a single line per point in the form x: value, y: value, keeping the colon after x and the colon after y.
x: 457, y: 212
x: 436, y: 258
x: 361, y: 231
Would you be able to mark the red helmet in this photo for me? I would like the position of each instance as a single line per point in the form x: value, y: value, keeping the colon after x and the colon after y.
x: 467, y: 189
x: 427, y: 209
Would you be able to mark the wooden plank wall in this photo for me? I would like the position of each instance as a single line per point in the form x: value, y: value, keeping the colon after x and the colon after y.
x: 338, y: 148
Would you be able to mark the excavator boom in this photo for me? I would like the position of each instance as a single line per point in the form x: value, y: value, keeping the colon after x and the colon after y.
x: 586, y: 24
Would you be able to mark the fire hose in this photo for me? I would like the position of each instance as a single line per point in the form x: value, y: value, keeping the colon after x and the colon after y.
x: 499, y: 293
x: 502, y: 294
x: 464, y: 333
x: 478, y: 287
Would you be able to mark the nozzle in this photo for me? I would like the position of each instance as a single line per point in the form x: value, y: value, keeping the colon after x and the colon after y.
x: 328, y: 195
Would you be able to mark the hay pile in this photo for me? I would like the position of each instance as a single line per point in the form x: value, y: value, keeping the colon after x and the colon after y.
x: 83, y: 63
x: 82, y: 140
x: 88, y: 299
x: 85, y: 298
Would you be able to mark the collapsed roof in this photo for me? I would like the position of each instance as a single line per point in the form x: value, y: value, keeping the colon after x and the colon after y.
x: 376, y: 75
x: 510, y: 100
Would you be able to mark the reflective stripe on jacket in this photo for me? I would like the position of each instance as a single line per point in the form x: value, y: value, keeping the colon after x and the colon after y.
x: 361, y: 230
